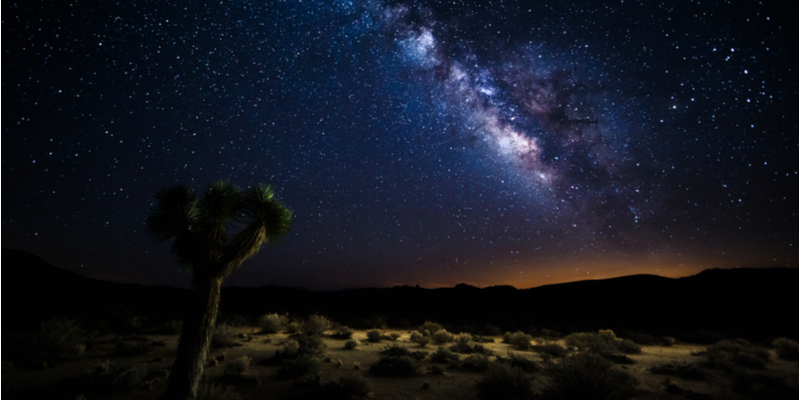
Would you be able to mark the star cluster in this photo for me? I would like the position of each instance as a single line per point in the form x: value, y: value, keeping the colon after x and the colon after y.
x: 423, y: 142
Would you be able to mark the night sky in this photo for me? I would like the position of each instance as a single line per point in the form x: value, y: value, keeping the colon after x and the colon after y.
x: 432, y: 143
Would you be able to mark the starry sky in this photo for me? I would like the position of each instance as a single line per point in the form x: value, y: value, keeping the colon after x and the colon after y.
x: 416, y: 142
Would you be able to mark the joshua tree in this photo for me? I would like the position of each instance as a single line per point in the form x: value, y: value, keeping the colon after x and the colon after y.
x: 208, y: 254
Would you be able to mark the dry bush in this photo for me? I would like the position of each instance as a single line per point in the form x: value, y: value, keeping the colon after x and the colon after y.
x: 443, y: 356
x: 519, y: 339
x: 271, y: 323
x: 224, y: 336
x: 586, y: 376
x: 343, y: 332
x: 476, y: 362
x: 730, y: 355
x: 420, y: 339
x: 351, y: 344
x: 316, y: 325
x: 505, y: 383
x: 442, y: 336
x: 61, y: 339
x: 374, y: 336
x: 429, y: 327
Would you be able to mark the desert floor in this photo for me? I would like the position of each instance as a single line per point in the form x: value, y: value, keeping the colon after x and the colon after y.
x: 79, y: 379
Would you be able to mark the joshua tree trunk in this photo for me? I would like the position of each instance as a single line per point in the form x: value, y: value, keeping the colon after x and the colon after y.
x: 194, y: 341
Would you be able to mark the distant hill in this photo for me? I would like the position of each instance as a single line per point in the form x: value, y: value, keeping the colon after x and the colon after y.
x: 752, y: 303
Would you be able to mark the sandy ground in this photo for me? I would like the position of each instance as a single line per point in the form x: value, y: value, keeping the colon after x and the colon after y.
x: 72, y: 380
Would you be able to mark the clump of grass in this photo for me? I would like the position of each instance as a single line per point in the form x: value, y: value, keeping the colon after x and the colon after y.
x: 374, y: 336
x: 238, y: 366
x: 420, y: 339
x: 224, y: 336
x: 785, y: 348
x: 519, y: 339
x: 586, y: 376
x: 504, y: 382
x: 271, y: 323
x: 351, y: 344
x: 61, y: 339
x: 316, y: 325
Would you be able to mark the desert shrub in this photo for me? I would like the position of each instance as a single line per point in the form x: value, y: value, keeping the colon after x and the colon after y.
x: 396, y: 366
x: 351, y: 344
x: 785, y: 348
x: 130, y: 377
x: 293, y: 327
x: 271, y: 323
x: 394, y: 336
x: 476, y: 362
x: 173, y: 327
x: 504, y: 382
x: 519, y: 339
x: 420, y: 339
x: 349, y: 386
x: 607, y: 334
x: 443, y: 356
x: 600, y: 344
x: 310, y: 344
x: 550, y: 350
x: 398, y: 351
x: 299, y: 367
x: 237, y: 366
x: 482, y: 339
x: 316, y: 325
x: 374, y: 336
x: 291, y: 348
x: 586, y: 376
x: 442, y: 336
x: 213, y: 391
x: 61, y: 339
x: 727, y: 354
x: 343, y: 332
x: 429, y: 327
x: 224, y: 336
x: 519, y: 361
x: 627, y: 346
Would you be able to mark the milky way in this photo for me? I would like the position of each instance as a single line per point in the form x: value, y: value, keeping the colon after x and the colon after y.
x: 416, y: 142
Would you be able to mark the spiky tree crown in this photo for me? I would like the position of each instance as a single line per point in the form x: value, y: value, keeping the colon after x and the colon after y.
x: 200, y: 227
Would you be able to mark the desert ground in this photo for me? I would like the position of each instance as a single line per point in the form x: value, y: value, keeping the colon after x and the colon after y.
x: 135, y: 366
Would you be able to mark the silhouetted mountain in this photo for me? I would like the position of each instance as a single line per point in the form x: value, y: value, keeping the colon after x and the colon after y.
x: 752, y: 303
